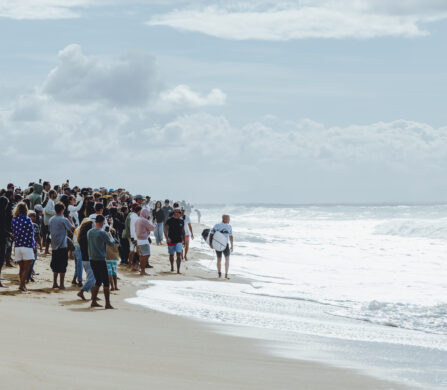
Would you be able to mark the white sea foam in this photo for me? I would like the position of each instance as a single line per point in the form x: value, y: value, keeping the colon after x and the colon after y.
x: 314, y: 270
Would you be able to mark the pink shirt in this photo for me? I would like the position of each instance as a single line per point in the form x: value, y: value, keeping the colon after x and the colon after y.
x: 143, y: 228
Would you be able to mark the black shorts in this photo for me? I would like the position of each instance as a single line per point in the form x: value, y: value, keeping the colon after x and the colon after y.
x: 45, y: 233
x: 99, y: 268
x: 226, y: 252
x: 59, y: 260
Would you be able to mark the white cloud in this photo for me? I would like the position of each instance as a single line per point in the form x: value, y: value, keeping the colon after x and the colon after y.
x: 40, y: 9
x: 183, y: 96
x: 286, y: 20
x: 131, y: 80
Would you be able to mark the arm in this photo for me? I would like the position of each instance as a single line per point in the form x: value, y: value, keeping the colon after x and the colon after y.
x: 49, y: 208
x: 166, y: 232
x: 231, y: 242
x: 79, y: 205
x: 190, y: 229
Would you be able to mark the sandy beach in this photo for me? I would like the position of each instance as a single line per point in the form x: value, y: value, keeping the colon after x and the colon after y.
x: 51, y: 339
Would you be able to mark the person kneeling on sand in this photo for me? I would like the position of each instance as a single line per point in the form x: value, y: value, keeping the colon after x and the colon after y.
x: 97, y: 241
x: 175, y: 234
x: 225, y: 228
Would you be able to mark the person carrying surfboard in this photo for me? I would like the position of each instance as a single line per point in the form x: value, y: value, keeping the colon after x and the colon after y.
x: 221, y: 237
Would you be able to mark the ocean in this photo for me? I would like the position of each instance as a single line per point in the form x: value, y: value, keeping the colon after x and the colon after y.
x: 362, y: 286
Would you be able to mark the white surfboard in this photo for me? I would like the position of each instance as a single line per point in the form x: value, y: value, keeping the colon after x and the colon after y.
x: 220, y: 242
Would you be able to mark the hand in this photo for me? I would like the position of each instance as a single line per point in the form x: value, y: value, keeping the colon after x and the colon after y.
x: 192, y: 236
x: 211, y: 246
x: 231, y: 250
x: 168, y: 240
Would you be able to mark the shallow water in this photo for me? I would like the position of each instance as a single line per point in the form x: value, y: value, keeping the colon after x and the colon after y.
x: 317, y: 271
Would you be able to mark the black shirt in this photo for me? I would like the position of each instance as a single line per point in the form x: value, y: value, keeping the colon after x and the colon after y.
x: 176, y: 229
x: 158, y: 215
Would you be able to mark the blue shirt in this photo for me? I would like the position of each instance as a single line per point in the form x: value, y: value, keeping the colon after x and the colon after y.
x: 23, y: 230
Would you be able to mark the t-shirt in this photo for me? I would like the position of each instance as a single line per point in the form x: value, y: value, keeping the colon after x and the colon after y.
x: 59, y: 226
x: 176, y: 229
x: 22, y: 228
x: 224, y: 228
x: 187, y: 222
x: 167, y: 210
x: 97, y: 241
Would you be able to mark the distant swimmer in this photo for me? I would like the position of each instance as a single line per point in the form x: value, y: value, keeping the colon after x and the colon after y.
x: 221, y: 236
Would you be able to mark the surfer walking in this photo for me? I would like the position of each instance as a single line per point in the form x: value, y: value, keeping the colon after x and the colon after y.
x: 225, y: 230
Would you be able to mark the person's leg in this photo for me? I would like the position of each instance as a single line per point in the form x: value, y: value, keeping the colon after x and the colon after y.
x: 98, y: 281
x: 26, y: 270
x: 55, y: 285
x: 89, y: 280
x: 2, y: 257
x: 227, y: 266
x: 179, y: 261
x: 62, y: 279
x: 219, y: 263
x: 21, y: 277
x: 186, y: 247
x: 102, y: 267
x: 8, y: 254
x: 29, y: 277
x: 143, y: 262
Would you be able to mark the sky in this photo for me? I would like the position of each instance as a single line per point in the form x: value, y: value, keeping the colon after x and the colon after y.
x: 236, y: 101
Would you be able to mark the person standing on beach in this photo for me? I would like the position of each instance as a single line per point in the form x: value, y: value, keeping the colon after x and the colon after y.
x: 225, y: 228
x: 24, y: 242
x: 90, y: 281
x: 143, y: 228
x: 97, y: 241
x: 167, y: 210
x: 159, y: 216
x: 48, y: 213
x: 175, y: 234
x: 5, y: 233
x: 188, y: 233
x: 59, y: 226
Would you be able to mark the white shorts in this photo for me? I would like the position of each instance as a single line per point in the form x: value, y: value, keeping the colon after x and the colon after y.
x: 132, y: 246
x: 22, y: 253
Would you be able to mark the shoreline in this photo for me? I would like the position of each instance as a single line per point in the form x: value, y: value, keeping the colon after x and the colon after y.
x: 55, y: 339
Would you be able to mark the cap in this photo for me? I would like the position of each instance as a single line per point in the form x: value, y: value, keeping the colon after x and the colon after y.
x: 138, y: 196
x: 38, y: 207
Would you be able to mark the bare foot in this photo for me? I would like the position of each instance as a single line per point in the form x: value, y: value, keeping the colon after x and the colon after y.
x: 81, y: 295
x: 220, y: 274
x: 109, y: 307
x: 55, y: 285
x: 226, y: 277
x: 61, y: 287
x: 23, y: 288
x: 95, y: 304
x: 144, y: 273
x: 117, y: 289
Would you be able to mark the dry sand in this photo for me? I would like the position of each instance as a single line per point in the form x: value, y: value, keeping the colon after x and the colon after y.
x: 50, y: 339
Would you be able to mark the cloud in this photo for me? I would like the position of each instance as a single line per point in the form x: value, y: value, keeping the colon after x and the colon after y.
x: 128, y: 80
x: 131, y: 80
x: 286, y: 20
x: 184, y: 96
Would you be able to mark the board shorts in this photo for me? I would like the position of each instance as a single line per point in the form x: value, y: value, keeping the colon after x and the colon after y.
x: 59, y: 260
x: 112, y: 266
x: 226, y: 252
x: 23, y: 253
x: 175, y: 248
x: 99, y: 268
x: 144, y: 250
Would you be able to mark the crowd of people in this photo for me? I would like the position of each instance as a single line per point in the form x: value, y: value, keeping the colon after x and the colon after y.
x: 99, y: 228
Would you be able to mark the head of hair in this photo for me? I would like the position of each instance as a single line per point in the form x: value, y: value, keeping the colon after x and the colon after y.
x: 158, y: 204
x: 52, y: 193
x: 137, y: 209
x: 96, y: 195
x: 59, y: 207
x: 176, y: 205
x: 20, y: 209
x: 9, y: 194
x: 124, y: 209
x: 86, y: 225
x: 31, y: 214
x: 100, y: 219
x: 99, y: 207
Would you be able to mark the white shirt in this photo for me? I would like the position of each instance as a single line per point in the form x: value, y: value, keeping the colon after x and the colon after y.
x: 133, y: 219
x: 74, y: 212
x: 187, y: 222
